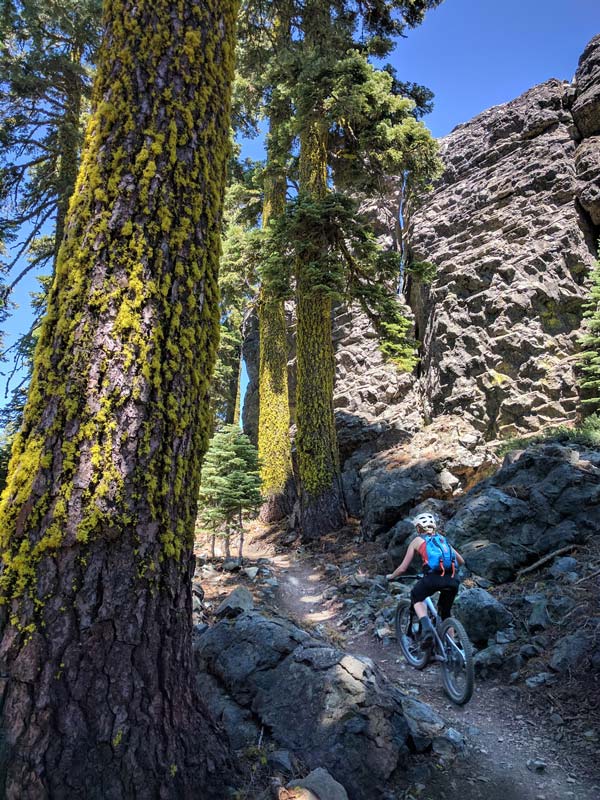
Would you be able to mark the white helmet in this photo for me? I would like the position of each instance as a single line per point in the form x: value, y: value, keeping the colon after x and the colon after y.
x: 426, y: 521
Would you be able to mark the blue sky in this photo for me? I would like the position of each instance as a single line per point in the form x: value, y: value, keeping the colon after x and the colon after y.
x: 473, y: 54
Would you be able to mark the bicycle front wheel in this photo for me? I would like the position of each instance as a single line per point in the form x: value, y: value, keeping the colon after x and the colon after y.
x: 408, y: 639
x: 458, y: 673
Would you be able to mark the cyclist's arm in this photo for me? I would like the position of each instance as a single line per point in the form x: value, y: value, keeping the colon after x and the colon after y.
x: 412, y: 549
x: 459, y: 558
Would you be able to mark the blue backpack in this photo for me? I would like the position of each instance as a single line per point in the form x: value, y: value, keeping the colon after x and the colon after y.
x: 440, y: 556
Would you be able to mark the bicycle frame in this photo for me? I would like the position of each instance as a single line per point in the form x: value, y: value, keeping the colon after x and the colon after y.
x: 439, y: 655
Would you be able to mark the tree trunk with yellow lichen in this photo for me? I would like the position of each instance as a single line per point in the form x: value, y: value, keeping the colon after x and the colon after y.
x: 274, y: 447
x: 321, y: 503
x: 97, y: 520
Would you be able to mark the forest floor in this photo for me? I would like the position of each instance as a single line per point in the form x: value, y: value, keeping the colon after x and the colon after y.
x: 515, y: 747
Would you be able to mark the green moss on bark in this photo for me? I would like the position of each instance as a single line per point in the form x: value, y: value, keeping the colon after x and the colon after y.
x: 316, y: 440
x: 117, y: 417
x: 274, y: 446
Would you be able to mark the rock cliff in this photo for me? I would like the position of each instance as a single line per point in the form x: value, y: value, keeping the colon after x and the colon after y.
x: 510, y: 227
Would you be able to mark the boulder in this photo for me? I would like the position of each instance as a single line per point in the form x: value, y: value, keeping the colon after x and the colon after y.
x: 542, y: 498
x: 571, y: 652
x: 481, y: 614
x: 488, y: 559
x: 327, y: 708
x: 434, y: 464
x: 492, y: 657
x: 239, y: 722
x: 236, y: 603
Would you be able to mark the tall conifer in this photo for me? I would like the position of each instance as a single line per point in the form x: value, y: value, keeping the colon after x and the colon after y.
x: 96, y: 522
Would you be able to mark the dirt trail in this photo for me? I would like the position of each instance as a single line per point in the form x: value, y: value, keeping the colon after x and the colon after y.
x: 501, y: 733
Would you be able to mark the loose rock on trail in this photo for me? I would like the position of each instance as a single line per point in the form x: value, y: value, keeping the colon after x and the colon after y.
x: 513, y: 751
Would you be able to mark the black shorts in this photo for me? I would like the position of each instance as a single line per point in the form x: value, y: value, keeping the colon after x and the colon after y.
x: 434, y: 582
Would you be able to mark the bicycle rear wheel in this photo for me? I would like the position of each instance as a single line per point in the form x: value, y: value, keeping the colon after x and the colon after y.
x: 412, y: 649
x: 458, y: 672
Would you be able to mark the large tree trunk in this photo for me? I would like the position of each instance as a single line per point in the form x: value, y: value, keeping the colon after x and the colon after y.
x: 274, y: 447
x: 97, y: 520
x: 321, y: 506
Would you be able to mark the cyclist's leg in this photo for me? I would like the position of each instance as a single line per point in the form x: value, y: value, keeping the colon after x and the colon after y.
x: 420, y: 591
x: 448, y: 591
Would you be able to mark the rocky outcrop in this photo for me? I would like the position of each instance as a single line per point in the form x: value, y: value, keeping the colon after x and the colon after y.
x: 586, y: 108
x: 328, y: 708
x: 541, y: 500
x: 506, y: 229
x: 440, y: 461
x: 586, y: 113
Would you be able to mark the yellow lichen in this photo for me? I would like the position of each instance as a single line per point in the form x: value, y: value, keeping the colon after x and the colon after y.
x: 134, y: 298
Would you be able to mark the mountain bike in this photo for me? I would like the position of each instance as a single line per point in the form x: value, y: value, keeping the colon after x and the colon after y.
x: 450, y: 646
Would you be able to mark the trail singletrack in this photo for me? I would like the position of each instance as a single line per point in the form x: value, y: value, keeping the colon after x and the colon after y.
x: 511, y: 753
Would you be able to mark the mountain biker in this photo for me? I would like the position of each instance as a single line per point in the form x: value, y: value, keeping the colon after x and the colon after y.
x: 435, y: 578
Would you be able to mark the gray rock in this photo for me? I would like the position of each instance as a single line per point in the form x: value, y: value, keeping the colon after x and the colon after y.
x: 541, y: 499
x: 481, y: 614
x: 571, y: 652
x: 328, y: 708
x: 424, y: 723
x: 541, y: 679
x: 239, y: 722
x: 281, y: 761
x: 528, y: 651
x: 562, y: 566
x: 509, y: 174
x: 586, y: 108
x: 451, y: 744
x: 322, y: 785
x: 536, y: 765
x: 487, y: 558
x: 413, y: 475
x: 251, y: 572
x: 539, y: 618
x: 505, y: 637
x: 587, y: 163
x: 492, y: 657
x: 239, y: 600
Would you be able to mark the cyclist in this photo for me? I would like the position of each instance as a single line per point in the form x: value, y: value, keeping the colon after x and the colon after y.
x: 437, y: 577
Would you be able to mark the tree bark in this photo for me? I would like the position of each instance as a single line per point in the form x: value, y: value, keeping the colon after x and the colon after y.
x: 69, y: 141
x: 97, y: 520
x: 274, y: 446
x: 321, y: 502
x: 241, y: 548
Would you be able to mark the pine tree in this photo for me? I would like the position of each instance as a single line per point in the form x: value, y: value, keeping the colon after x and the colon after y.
x: 96, y: 522
x: 274, y: 445
x: 230, y: 482
x: 46, y: 56
x: 46, y: 62
x: 237, y: 285
x: 590, y: 344
x: 353, y: 132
